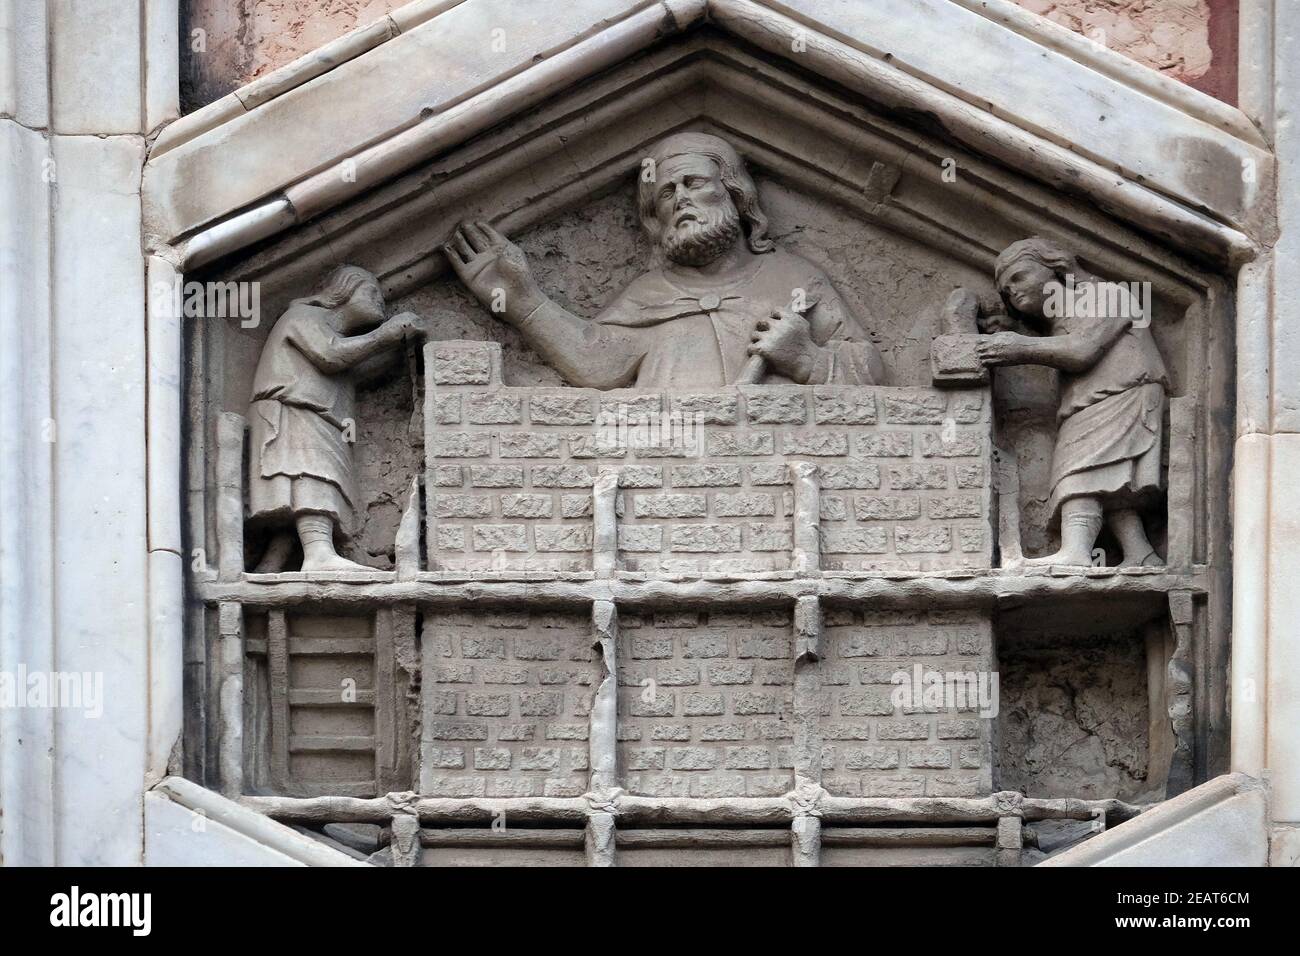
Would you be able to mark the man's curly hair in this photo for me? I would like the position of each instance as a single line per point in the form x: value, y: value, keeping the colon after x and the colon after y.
x: 732, y: 172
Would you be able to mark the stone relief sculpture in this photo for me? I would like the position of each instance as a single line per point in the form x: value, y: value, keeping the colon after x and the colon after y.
x: 302, y: 414
x: 1107, y: 459
x: 722, y: 305
x: 680, y: 555
x: 853, y: 481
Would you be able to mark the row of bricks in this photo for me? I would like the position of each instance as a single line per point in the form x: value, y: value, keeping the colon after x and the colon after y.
x: 948, y: 784
x: 463, y: 787
x: 520, y: 704
x: 447, y: 642
x: 471, y: 729
x: 760, y: 729
x: 510, y: 674
x: 778, y: 673
x: 708, y: 538
x: 573, y: 562
x: 653, y: 702
x: 914, y: 729
x: 700, y: 505
x: 774, y: 729
x: 505, y: 732
x: 903, y: 641
x: 727, y: 673
x: 839, y: 642
x: 911, y: 729
x: 834, y: 616
x: 525, y: 759
x: 961, y: 443
x: 764, y: 758
x: 866, y: 703
x: 854, y: 474
x: 942, y: 784
x: 709, y: 787
x: 452, y: 621
x: 656, y: 703
x: 761, y: 406
x: 632, y: 443
x: 718, y: 673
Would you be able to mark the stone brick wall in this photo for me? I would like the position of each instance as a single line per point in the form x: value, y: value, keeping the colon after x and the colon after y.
x: 871, y: 748
x: 704, y: 483
x: 705, y: 703
x: 506, y: 700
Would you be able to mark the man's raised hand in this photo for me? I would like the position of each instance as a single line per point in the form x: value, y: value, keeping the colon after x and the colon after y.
x: 494, y: 269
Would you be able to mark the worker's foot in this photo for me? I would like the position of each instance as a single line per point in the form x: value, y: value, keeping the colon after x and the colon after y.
x: 1150, y: 560
x: 1065, y: 558
x: 331, y: 562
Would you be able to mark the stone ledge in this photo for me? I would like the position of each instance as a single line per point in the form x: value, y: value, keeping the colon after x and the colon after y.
x: 956, y: 588
x: 679, y: 810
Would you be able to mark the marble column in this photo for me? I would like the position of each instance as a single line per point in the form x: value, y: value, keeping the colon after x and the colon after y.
x: 82, y: 84
x: 1266, y: 607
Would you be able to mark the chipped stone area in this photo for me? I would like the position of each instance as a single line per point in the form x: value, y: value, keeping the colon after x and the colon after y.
x: 1074, y: 715
x: 389, y: 452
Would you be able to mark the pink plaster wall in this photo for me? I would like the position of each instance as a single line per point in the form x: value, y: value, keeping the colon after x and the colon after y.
x: 1191, y: 40
x: 1194, y: 41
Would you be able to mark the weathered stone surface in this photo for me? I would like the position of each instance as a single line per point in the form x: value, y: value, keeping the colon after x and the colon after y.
x: 1074, y: 717
x: 880, y: 494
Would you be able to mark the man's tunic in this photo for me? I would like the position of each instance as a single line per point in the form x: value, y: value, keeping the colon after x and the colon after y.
x: 1108, y: 444
x: 299, y: 461
x: 667, y: 330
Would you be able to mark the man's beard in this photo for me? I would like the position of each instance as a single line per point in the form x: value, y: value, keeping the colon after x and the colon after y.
x: 699, y: 243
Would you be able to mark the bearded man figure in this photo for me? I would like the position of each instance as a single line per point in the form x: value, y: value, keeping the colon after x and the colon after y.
x: 719, y: 294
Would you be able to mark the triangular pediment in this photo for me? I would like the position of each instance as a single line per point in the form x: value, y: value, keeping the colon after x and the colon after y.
x: 856, y: 81
x: 846, y: 162
x: 895, y: 166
